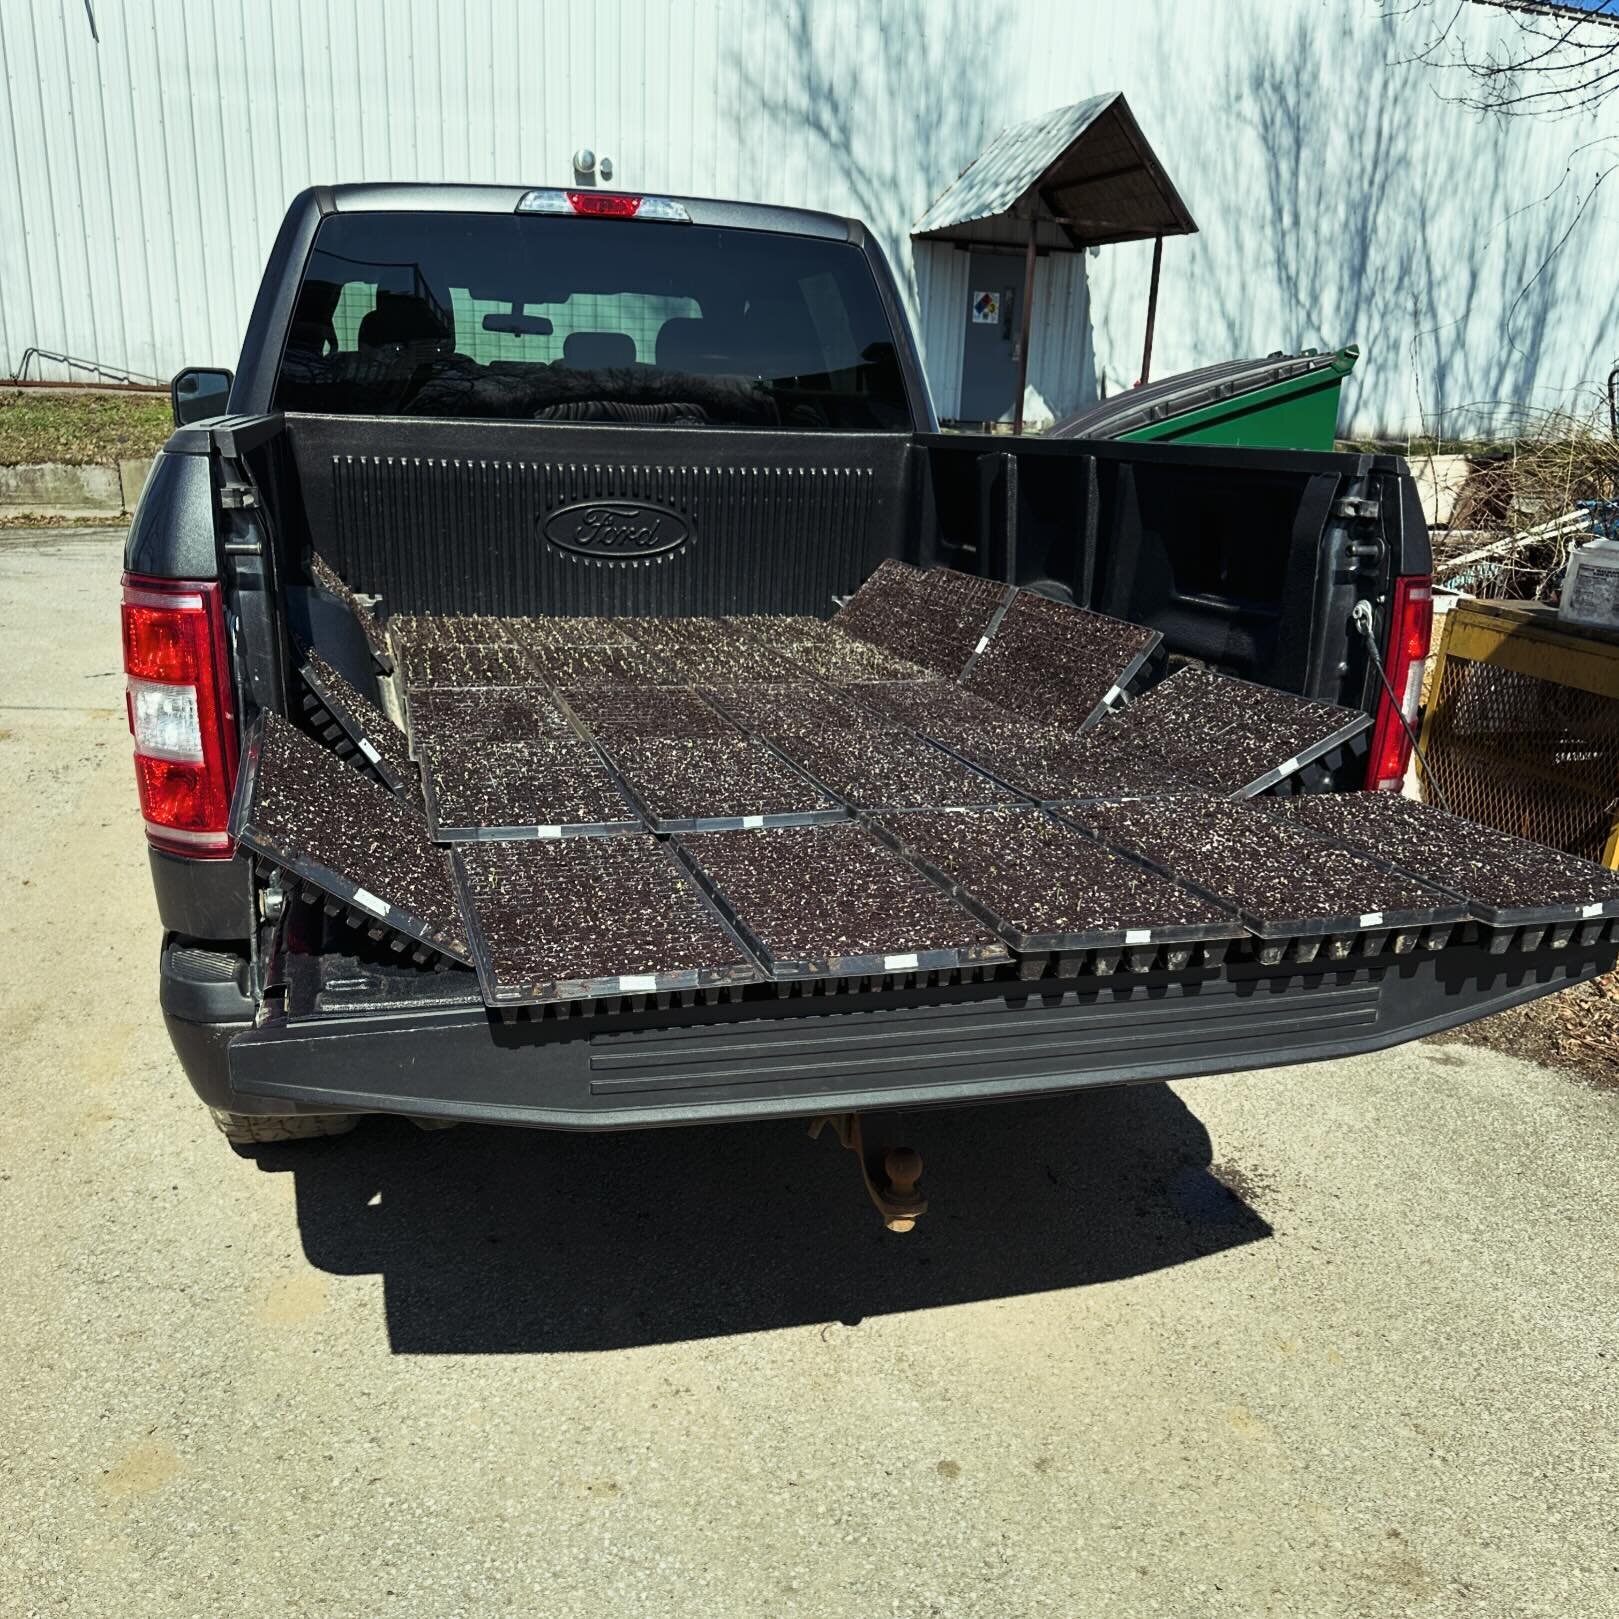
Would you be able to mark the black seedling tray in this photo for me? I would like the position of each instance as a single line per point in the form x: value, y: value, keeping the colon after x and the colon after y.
x: 1386, y: 830
x: 329, y: 580
x: 1202, y: 724
x: 801, y: 705
x: 461, y: 665
x: 941, y: 842
x: 602, y: 666
x: 1109, y: 824
x: 577, y: 893
x: 1027, y: 759
x: 792, y: 859
x: 832, y: 760
x: 1061, y: 665
x: 610, y: 713
x: 380, y: 742
x: 462, y: 716
x: 627, y: 759
x: 305, y: 811
x: 576, y: 766
x: 939, y: 620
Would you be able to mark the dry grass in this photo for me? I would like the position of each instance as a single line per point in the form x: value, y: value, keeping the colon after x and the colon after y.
x: 41, y: 424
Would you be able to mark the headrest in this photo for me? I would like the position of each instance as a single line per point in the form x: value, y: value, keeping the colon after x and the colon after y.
x: 598, y: 351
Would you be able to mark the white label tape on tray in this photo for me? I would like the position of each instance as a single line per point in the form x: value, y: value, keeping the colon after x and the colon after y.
x: 637, y: 983
x: 1138, y: 936
x: 1290, y: 765
x: 749, y: 822
x: 1592, y: 910
x: 900, y: 963
x: 1114, y: 693
x: 548, y: 831
x: 370, y: 752
x: 983, y: 641
x: 1372, y: 919
x: 367, y: 900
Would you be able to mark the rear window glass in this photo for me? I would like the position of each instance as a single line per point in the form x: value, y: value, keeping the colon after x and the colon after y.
x: 588, y: 320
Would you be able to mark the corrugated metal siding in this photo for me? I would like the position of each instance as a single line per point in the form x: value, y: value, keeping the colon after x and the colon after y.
x: 141, y: 180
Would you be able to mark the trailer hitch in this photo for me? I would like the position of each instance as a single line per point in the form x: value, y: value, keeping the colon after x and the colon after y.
x: 890, y: 1173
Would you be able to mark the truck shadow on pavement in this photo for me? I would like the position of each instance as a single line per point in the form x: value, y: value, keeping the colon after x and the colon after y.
x: 521, y: 1242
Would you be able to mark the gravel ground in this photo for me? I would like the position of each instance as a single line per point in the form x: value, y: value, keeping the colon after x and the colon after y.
x: 1328, y: 1341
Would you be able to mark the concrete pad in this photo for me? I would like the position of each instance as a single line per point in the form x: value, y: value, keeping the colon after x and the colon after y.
x: 56, y: 489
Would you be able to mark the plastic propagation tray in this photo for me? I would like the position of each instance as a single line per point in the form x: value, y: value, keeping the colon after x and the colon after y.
x: 329, y: 580
x: 813, y: 646
x: 1508, y: 882
x: 708, y: 651
x: 462, y: 716
x: 592, y: 918
x: 1055, y: 767
x: 716, y: 784
x: 940, y: 619
x: 1059, y: 665
x: 889, y: 770
x: 800, y: 706
x: 1291, y: 888
x: 302, y: 809
x: 462, y: 664
x: 601, y: 666
x: 376, y: 738
x: 1045, y: 887
x: 611, y: 713
x: 816, y: 902
x: 1233, y: 736
x: 516, y: 790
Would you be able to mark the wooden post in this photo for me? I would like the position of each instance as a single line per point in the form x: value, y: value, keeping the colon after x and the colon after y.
x: 1023, y: 334
x: 1152, y: 309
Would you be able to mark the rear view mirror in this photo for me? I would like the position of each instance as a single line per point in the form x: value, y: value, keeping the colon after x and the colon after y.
x: 199, y: 391
x: 519, y: 325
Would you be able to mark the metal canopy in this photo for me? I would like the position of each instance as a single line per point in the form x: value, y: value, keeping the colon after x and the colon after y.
x: 1084, y: 175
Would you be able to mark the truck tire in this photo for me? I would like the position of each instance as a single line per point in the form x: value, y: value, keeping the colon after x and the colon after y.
x: 257, y: 1129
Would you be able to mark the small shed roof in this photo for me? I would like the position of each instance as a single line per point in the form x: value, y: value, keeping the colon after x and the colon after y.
x: 1085, y: 174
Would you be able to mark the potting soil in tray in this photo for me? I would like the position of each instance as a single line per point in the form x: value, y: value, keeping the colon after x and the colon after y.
x: 590, y: 917
x: 938, y: 619
x: 1057, y: 767
x: 556, y: 634
x: 1042, y: 884
x: 1057, y: 664
x: 1281, y: 878
x: 803, y: 706
x: 379, y: 740
x: 460, y: 717
x: 889, y: 770
x: 456, y: 629
x: 1503, y: 877
x: 612, y: 712
x: 434, y: 664
x: 937, y: 708
x: 601, y: 666
x: 1233, y: 736
x: 827, y: 651
x: 682, y: 782
x: 535, y: 789
x: 829, y: 901
x: 300, y: 807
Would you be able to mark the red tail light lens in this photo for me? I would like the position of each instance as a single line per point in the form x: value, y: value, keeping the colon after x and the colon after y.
x: 180, y: 713
x: 1410, y: 633
x: 604, y: 204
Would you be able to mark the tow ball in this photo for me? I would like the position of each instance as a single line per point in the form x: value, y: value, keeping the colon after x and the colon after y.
x: 890, y: 1173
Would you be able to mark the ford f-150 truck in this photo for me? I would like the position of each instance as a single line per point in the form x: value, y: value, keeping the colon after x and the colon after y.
x: 517, y: 403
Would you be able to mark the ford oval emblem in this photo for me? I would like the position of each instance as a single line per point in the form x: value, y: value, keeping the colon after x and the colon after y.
x: 616, y: 530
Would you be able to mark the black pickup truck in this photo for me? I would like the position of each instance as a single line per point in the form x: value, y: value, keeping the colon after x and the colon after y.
x: 473, y: 401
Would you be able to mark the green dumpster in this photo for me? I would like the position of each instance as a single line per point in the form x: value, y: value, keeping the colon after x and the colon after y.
x: 1282, y: 402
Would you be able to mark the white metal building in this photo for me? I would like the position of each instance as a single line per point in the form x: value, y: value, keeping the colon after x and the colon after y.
x: 148, y: 147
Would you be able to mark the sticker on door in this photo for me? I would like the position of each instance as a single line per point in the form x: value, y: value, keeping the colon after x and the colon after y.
x: 986, y: 308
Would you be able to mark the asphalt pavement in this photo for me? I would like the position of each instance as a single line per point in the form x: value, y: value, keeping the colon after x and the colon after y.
x: 1336, y: 1340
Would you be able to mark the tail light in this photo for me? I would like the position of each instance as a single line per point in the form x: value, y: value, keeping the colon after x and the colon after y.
x: 1409, y: 636
x: 603, y: 205
x: 180, y: 713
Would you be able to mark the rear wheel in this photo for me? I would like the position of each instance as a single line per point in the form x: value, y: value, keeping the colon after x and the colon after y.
x: 250, y: 1129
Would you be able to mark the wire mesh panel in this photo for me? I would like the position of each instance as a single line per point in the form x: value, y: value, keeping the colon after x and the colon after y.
x: 1522, y: 731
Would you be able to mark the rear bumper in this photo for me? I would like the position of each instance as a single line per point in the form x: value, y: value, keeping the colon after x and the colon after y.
x: 769, y: 1058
